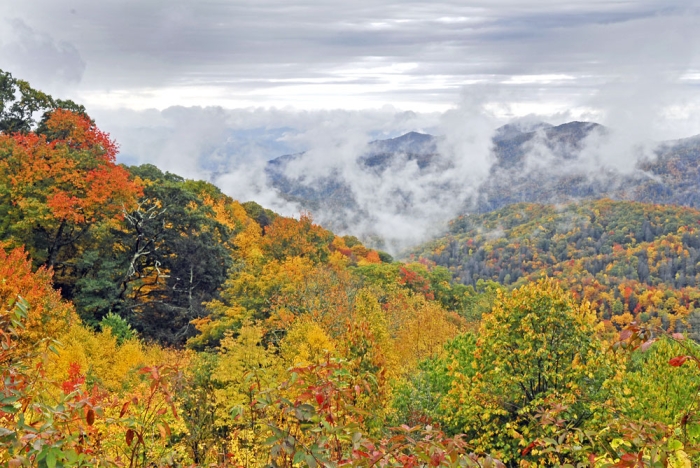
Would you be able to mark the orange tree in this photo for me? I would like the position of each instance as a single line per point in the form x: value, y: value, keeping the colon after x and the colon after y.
x: 49, y: 315
x: 58, y: 187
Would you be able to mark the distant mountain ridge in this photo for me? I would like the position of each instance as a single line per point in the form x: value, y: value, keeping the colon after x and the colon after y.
x: 419, y: 147
x: 535, y: 163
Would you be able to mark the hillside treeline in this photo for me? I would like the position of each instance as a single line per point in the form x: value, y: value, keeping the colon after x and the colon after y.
x: 632, y: 261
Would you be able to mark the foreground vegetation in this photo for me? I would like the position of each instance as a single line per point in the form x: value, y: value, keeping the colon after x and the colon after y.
x: 149, y: 320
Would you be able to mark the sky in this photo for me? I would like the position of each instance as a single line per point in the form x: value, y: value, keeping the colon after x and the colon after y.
x: 311, y: 54
x: 213, y: 89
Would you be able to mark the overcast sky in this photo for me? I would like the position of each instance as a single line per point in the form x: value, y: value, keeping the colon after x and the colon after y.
x: 542, y: 55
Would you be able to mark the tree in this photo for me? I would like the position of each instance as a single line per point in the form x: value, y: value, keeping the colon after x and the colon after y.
x: 287, y: 237
x: 653, y: 390
x: 158, y: 268
x: 206, y: 435
x: 418, y: 398
x: 56, y: 195
x: 18, y: 104
x: 48, y: 315
x: 246, y: 369
x: 536, y: 349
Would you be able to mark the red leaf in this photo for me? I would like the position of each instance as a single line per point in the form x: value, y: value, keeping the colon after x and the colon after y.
x: 678, y: 361
x: 678, y: 336
x: 129, y: 437
x: 90, y: 417
x: 527, y: 449
x: 124, y: 408
x: 626, y: 461
x: 625, y: 335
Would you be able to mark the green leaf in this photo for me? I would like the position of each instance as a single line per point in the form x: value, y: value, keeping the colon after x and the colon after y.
x: 693, y: 431
x: 71, y: 456
x: 356, y: 437
x: 311, y: 461
x: 674, y: 444
x: 236, y: 411
x: 298, y: 457
x: 51, y: 459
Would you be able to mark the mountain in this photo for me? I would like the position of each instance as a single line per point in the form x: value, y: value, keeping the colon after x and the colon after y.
x: 331, y: 191
x: 332, y: 194
x: 418, y: 147
x: 512, y: 143
x: 535, y: 162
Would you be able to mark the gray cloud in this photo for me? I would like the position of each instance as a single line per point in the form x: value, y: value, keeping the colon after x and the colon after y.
x: 37, y: 56
x: 326, y: 54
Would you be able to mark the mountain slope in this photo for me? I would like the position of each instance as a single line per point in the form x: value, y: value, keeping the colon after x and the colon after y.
x: 632, y: 260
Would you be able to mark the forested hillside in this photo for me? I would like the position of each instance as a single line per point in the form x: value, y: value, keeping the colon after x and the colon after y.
x: 633, y: 261
x: 149, y: 320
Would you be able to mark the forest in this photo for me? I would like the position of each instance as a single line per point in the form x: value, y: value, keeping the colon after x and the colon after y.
x: 148, y: 320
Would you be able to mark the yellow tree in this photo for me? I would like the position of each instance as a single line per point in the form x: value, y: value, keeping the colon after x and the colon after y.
x: 537, y: 349
x: 419, y: 327
x: 246, y: 370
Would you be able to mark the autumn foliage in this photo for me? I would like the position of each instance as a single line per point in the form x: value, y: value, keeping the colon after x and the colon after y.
x: 49, y: 315
x: 150, y: 320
